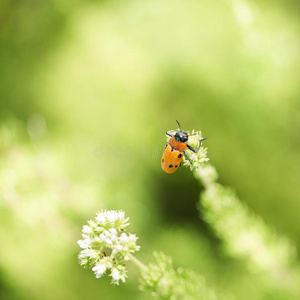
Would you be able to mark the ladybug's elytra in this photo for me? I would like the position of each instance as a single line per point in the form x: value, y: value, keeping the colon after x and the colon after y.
x: 175, y: 149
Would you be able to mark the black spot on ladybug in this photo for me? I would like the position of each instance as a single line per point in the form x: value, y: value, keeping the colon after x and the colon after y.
x: 162, y: 160
x: 180, y: 155
x: 176, y: 166
x: 170, y: 166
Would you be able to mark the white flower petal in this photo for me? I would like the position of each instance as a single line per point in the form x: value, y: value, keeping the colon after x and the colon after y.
x: 123, y: 238
x: 87, y: 229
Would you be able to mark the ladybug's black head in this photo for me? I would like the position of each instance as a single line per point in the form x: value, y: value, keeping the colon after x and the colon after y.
x: 181, y: 136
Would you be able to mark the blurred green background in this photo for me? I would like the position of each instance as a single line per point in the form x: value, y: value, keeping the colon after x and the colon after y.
x: 88, y: 90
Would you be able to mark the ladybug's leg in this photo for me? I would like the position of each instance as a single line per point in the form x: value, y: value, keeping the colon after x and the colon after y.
x: 192, y: 149
x: 187, y: 157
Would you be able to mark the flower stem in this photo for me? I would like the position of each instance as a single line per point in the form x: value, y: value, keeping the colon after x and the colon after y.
x: 137, y: 262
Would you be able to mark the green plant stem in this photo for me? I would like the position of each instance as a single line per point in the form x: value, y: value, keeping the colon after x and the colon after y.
x: 138, y: 262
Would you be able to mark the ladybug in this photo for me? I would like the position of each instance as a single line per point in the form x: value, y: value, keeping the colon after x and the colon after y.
x: 175, y: 149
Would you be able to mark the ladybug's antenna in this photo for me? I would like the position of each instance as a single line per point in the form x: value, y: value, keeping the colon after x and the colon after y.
x: 178, y: 124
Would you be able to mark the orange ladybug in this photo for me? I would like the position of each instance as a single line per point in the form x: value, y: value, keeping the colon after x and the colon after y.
x: 175, y: 149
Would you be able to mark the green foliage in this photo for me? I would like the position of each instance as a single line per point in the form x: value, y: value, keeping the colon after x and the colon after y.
x: 88, y: 89
x: 163, y: 280
x: 245, y: 235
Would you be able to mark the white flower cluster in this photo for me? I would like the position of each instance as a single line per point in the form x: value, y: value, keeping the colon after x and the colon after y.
x: 106, y: 246
x: 196, y: 159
